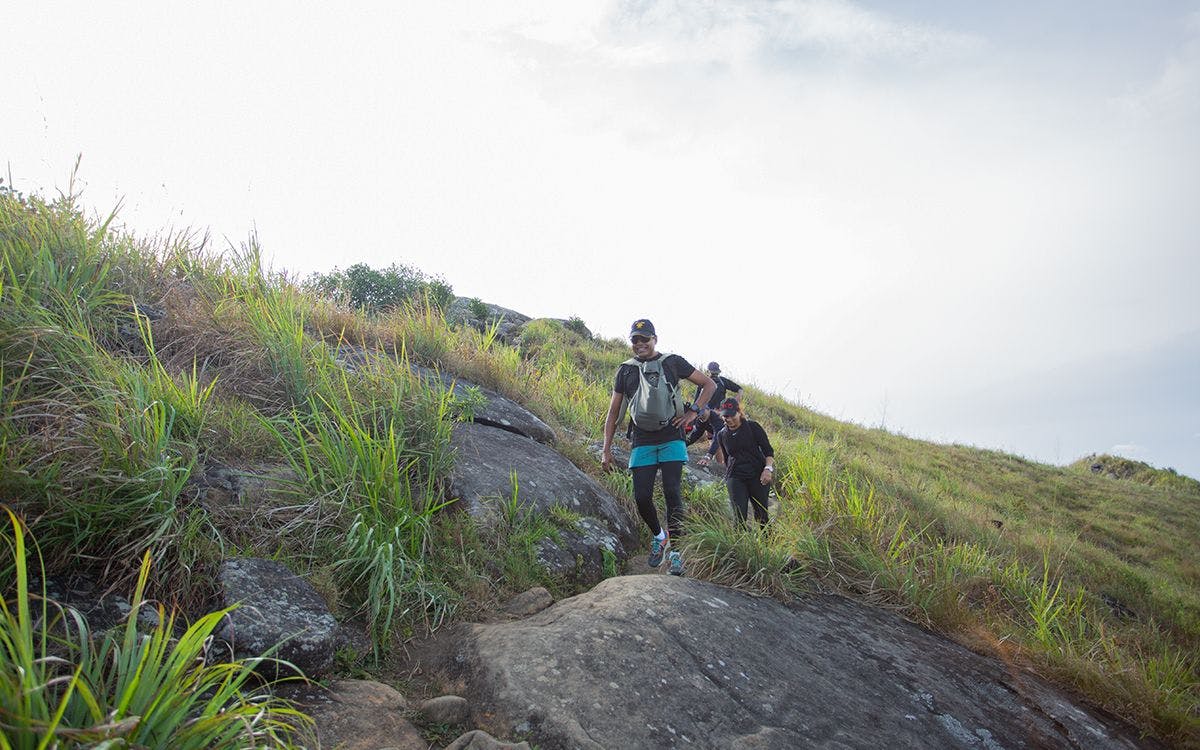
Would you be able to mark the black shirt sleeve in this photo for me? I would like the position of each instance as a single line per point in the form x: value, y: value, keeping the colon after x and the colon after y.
x: 732, y: 386
x: 717, y: 440
x: 683, y: 369
x: 764, y: 444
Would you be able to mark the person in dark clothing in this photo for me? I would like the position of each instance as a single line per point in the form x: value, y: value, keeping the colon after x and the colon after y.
x: 749, y: 462
x: 698, y: 430
x: 724, y: 387
x: 659, y: 450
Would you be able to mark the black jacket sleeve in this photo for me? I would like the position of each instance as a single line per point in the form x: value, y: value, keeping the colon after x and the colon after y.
x: 717, y: 441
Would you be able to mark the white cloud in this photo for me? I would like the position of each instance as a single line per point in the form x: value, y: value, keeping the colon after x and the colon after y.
x: 664, y: 33
x: 1177, y: 87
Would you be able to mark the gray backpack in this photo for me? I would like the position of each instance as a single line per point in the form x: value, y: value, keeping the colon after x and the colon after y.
x: 656, y: 401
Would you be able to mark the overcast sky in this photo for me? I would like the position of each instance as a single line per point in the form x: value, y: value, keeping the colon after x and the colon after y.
x: 963, y: 221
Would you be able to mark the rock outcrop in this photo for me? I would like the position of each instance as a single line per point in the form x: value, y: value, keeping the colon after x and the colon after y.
x: 655, y: 661
x: 496, y: 411
x: 477, y: 739
x: 529, y: 602
x: 359, y: 715
x: 275, y: 606
x: 508, y: 322
x: 100, y: 609
x: 482, y: 481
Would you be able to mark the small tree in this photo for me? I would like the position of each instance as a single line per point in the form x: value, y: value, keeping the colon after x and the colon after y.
x: 479, y: 309
x: 373, y: 290
x: 576, y: 324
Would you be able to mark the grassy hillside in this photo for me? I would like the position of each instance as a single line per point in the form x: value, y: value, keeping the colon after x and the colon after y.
x: 128, y: 368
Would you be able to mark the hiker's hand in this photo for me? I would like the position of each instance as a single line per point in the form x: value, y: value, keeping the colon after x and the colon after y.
x: 685, y: 420
x: 704, y: 460
x: 606, y: 461
x: 767, y: 477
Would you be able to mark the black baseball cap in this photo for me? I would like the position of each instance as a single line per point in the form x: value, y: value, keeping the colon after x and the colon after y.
x: 714, y: 367
x: 642, y: 327
x: 729, y: 407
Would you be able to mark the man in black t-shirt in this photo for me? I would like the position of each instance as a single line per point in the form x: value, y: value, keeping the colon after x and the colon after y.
x: 655, y: 450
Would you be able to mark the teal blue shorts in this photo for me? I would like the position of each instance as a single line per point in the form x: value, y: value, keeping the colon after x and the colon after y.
x: 652, y: 455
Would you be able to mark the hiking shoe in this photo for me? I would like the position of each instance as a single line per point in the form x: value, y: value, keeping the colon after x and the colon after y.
x: 657, y: 548
x: 676, y: 565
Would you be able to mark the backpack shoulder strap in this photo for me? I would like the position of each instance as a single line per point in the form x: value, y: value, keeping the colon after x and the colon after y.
x: 624, y: 413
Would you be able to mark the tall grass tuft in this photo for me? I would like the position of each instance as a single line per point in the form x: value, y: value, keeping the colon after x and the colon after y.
x: 62, y: 686
x: 97, y: 447
x: 377, y: 446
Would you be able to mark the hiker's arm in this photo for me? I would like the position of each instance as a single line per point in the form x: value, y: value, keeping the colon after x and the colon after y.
x: 764, y: 445
x: 707, y: 388
x: 712, y: 448
x: 610, y: 429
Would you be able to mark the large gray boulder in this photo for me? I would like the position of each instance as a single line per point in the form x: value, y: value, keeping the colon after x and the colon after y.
x: 275, y: 606
x: 657, y: 661
x: 497, y: 410
x: 482, y: 481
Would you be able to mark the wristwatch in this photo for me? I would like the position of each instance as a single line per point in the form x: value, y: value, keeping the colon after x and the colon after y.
x: 692, y: 407
x: 770, y: 469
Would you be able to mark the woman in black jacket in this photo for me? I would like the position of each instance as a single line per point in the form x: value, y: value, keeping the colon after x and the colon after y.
x: 749, y: 462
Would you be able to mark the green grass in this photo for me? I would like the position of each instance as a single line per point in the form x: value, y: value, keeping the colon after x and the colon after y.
x: 1089, y: 578
x: 62, y: 686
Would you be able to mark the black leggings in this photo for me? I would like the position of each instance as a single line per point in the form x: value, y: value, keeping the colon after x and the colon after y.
x: 741, y: 491
x: 643, y: 493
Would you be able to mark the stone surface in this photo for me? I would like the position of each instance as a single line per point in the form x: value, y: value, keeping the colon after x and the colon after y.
x: 130, y: 325
x: 510, y: 322
x: 100, y: 608
x: 482, y: 480
x: 477, y: 739
x: 578, y: 553
x: 359, y: 715
x: 529, y: 602
x: 658, y: 661
x: 276, y: 606
x: 497, y: 410
x: 236, y: 491
x: 446, y: 709
x: 620, y: 452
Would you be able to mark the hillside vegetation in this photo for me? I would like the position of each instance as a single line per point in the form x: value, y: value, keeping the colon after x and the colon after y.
x: 128, y: 367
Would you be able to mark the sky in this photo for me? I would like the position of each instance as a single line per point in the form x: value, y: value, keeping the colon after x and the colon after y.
x: 967, y: 222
